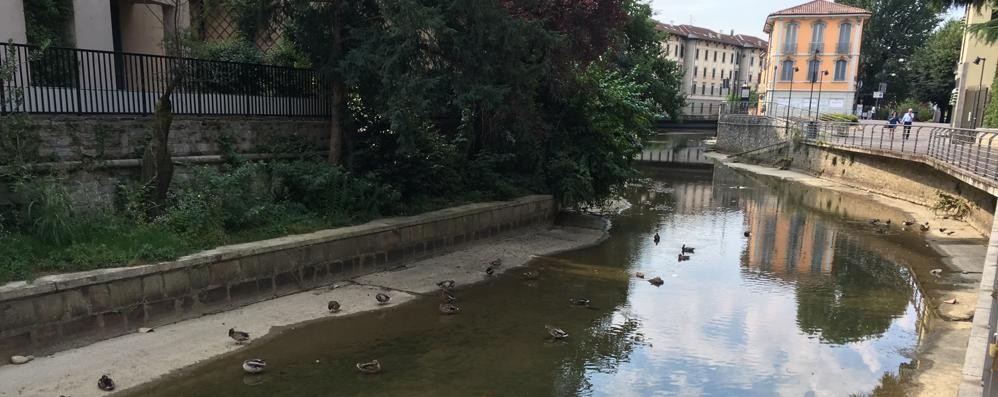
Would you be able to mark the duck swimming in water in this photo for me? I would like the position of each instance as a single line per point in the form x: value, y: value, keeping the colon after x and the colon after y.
x: 657, y: 281
x: 254, y: 366
x: 448, y: 308
x: 687, y: 250
x: 579, y: 302
x: 446, y: 296
x: 683, y: 257
x: 372, y: 367
x: 556, y: 333
x: 656, y: 238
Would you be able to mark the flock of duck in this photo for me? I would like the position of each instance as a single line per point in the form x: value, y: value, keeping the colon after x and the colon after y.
x: 883, y: 226
x: 684, y: 255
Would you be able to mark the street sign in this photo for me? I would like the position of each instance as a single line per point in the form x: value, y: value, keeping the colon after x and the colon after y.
x: 878, y: 95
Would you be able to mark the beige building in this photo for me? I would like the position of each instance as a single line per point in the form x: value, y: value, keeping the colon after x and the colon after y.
x: 975, y: 72
x: 715, y: 65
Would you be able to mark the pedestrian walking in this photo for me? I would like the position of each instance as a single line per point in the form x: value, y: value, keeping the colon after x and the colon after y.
x: 907, y: 119
x: 894, y: 120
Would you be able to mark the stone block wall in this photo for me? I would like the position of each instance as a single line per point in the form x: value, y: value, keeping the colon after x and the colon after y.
x: 57, y: 312
x: 737, y: 133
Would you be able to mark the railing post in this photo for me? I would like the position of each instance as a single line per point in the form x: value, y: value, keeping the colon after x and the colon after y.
x: 987, y: 162
x: 142, y: 85
x: 76, y: 79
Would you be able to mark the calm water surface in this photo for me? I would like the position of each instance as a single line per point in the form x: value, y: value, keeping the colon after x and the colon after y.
x: 812, y: 304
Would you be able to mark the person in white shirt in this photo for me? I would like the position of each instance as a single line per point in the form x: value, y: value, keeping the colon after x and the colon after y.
x: 907, y: 119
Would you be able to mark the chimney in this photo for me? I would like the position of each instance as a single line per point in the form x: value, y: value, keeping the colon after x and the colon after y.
x: 732, y: 32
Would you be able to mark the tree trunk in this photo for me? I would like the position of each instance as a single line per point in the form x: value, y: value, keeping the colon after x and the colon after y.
x: 336, y: 125
x: 157, y: 164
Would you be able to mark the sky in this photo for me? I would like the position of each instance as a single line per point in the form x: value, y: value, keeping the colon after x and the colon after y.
x: 725, y: 15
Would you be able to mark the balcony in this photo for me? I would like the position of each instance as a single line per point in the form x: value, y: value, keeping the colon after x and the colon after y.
x: 816, y: 47
x: 790, y: 48
x: 842, y: 48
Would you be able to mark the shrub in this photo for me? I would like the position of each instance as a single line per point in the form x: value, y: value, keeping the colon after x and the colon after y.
x: 923, y: 112
x: 47, y: 210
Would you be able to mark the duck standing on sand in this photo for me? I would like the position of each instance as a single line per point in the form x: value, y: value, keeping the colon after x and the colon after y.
x: 489, y: 271
x: 105, y: 383
x: 254, y: 366
x: 446, y: 284
x: 372, y: 367
x: 924, y: 227
x: 239, y: 336
x: 383, y: 299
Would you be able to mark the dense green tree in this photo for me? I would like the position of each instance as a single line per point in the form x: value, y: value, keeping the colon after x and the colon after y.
x: 895, y: 31
x: 987, y: 30
x: 933, y: 65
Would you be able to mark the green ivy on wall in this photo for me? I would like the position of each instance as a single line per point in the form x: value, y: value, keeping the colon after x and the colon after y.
x: 48, y: 22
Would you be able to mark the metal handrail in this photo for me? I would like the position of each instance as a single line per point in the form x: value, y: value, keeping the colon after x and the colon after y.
x: 81, y: 81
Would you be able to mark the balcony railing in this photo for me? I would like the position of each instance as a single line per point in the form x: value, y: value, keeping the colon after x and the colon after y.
x: 77, y: 81
x: 842, y: 48
x: 816, y: 47
x: 790, y: 48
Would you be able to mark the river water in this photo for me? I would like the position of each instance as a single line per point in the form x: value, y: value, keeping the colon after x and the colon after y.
x: 815, y: 302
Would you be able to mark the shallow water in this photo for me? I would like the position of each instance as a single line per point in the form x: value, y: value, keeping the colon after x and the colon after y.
x: 812, y: 303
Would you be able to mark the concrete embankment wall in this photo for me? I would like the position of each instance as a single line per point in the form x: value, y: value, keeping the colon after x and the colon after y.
x: 63, y: 311
x: 895, y: 177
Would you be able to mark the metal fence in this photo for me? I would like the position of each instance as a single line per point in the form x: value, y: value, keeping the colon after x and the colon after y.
x: 76, y: 81
x: 971, y: 151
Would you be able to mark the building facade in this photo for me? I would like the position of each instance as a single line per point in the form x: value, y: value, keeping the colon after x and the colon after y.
x: 975, y: 72
x: 814, y: 59
x: 715, y: 65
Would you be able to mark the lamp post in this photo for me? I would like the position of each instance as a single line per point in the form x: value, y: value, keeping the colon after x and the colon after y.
x: 812, y: 76
x: 821, y: 78
x: 790, y: 96
x: 772, y: 93
x: 980, y: 87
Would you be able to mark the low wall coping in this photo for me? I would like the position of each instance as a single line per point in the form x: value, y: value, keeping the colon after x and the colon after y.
x: 59, y: 282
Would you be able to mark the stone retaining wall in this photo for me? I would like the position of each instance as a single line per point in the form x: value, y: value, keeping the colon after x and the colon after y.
x: 737, y: 133
x: 57, y: 312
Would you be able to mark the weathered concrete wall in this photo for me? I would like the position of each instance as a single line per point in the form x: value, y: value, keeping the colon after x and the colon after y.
x: 737, y: 133
x: 97, y: 154
x: 62, y: 311
x: 908, y: 180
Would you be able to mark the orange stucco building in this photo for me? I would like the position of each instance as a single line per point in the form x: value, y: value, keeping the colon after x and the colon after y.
x: 817, y: 41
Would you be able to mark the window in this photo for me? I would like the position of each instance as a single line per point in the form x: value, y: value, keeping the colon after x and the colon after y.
x: 817, y: 37
x: 694, y: 71
x: 751, y: 61
x: 724, y: 57
x: 682, y: 51
x: 703, y: 89
x: 750, y: 78
x: 698, y: 54
x: 715, y: 56
x: 840, y: 70
x: 666, y: 49
x: 712, y: 90
x: 713, y: 73
x: 788, y: 70
x: 790, y: 39
x: 694, y: 90
x: 676, y: 49
x: 812, y: 70
x: 845, y: 31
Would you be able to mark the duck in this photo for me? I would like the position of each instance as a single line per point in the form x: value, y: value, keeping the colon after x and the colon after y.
x: 448, y: 308
x: 875, y: 221
x: 936, y: 272
x: 657, y: 281
x: 530, y: 275
x: 686, y: 249
x: 254, y: 366
x: 18, y: 360
x: 490, y: 271
x: 383, y: 299
x: 579, y: 302
x: 924, y: 227
x: 556, y: 333
x: 446, y: 284
x: 747, y: 233
x: 496, y: 263
x: 656, y: 238
x: 942, y: 230
x: 683, y: 257
x: 908, y: 222
x: 105, y: 383
x: 446, y: 296
x: 333, y: 306
x: 888, y: 222
x: 372, y: 367
x: 238, y: 336
x: 639, y: 275
x: 950, y: 233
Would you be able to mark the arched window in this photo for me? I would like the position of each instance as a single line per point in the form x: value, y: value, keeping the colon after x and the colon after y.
x: 788, y: 70
x: 845, y: 33
x: 840, y: 69
x: 817, y: 37
x: 790, y: 38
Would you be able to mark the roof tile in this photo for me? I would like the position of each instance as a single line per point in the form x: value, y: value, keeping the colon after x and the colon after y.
x: 820, y: 7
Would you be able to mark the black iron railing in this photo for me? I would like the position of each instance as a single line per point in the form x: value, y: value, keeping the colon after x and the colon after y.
x: 69, y: 80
